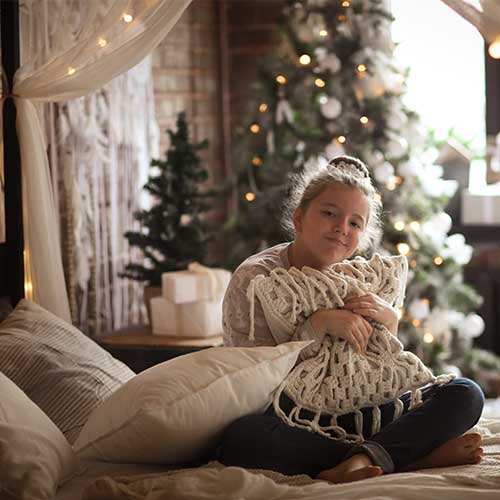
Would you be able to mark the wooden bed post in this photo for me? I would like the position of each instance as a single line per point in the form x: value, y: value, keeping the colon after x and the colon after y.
x: 13, y: 263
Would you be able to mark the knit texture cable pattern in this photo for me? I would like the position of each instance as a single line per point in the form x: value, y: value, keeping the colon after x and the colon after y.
x: 337, y: 380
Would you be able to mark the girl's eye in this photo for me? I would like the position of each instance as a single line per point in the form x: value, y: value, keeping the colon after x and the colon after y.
x: 356, y: 225
x: 330, y: 213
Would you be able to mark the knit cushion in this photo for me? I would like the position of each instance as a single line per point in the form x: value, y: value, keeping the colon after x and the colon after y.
x: 337, y: 380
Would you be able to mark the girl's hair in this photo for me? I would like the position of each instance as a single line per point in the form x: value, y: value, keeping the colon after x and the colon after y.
x: 344, y: 170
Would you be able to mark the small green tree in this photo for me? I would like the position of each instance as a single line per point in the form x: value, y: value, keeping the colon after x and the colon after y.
x: 172, y: 233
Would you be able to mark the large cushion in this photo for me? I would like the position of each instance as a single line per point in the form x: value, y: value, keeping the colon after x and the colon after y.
x: 174, y: 412
x: 34, y: 455
x: 59, y: 368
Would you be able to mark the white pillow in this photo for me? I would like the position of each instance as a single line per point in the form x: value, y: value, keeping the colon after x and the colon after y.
x: 34, y: 455
x: 174, y: 412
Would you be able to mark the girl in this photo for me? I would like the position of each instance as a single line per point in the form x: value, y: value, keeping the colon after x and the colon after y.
x: 334, y: 214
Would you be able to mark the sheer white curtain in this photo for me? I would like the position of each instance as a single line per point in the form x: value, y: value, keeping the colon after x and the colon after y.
x: 109, y: 43
x: 483, y: 14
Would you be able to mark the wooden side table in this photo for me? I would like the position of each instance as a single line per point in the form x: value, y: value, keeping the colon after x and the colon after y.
x: 139, y: 349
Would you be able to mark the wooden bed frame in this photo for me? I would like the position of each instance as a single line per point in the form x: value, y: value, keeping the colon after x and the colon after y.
x: 11, y: 252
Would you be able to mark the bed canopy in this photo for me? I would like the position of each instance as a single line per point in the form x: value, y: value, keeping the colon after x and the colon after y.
x: 114, y: 36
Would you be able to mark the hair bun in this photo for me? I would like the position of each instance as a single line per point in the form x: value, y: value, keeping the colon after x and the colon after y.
x: 350, y: 163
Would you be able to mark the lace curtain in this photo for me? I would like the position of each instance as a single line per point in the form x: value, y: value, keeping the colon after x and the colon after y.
x: 104, y: 144
x: 105, y: 40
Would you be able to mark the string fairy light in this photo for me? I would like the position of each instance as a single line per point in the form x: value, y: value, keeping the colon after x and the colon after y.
x: 71, y: 70
x: 403, y: 248
x: 415, y: 225
x: 415, y: 323
x: 341, y: 17
x: 281, y: 79
x: 391, y: 185
x: 428, y: 337
x: 102, y: 42
x: 364, y: 120
x: 127, y: 17
x: 323, y: 33
x: 304, y: 59
x: 263, y: 107
x: 256, y: 161
x: 319, y: 82
x: 250, y: 196
x: 361, y: 68
x: 28, y: 283
x: 346, y: 3
x: 413, y: 264
x: 494, y: 49
x: 254, y: 128
x: 438, y: 260
x: 399, y: 225
x: 342, y: 139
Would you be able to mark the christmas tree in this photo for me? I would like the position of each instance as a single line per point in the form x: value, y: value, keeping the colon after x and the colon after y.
x: 172, y: 233
x: 333, y: 87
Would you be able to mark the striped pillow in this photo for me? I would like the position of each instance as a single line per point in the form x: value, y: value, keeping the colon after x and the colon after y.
x: 59, y: 368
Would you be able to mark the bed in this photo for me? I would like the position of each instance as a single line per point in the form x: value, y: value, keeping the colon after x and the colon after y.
x: 213, y: 481
x: 57, y: 365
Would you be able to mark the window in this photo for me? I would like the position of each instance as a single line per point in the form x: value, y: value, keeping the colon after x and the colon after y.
x: 445, y: 55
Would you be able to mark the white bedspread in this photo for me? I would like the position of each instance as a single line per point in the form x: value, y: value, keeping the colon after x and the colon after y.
x: 216, y: 482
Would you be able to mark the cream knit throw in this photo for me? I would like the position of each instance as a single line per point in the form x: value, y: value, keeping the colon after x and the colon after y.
x: 337, y: 380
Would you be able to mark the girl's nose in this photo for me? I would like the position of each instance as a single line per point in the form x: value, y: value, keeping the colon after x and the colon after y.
x: 341, y: 226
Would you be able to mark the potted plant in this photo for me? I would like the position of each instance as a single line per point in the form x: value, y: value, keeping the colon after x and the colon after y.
x: 172, y: 232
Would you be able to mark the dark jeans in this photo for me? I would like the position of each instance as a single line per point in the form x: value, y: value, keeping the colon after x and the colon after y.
x: 266, y: 442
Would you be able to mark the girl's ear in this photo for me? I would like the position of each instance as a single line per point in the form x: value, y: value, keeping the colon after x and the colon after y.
x: 297, y: 220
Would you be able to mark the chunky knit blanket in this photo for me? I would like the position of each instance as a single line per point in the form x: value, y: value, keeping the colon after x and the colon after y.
x: 336, y: 380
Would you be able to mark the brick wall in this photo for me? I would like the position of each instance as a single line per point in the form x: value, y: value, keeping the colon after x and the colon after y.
x: 186, y: 78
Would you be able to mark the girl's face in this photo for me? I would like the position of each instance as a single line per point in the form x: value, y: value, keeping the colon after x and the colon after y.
x: 330, y: 228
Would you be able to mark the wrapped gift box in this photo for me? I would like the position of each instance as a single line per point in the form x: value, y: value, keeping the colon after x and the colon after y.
x: 193, y: 319
x: 197, y: 283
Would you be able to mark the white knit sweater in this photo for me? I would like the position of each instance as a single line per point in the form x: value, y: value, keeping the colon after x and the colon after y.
x: 337, y: 380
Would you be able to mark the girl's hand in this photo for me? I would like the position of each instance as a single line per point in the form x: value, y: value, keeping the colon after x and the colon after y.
x: 343, y: 324
x: 370, y: 306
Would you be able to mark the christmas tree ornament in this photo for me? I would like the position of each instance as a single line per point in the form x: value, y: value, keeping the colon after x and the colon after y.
x: 383, y: 173
x: 457, y: 249
x: 331, y: 109
x: 396, y: 147
x: 284, y: 111
x: 437, y: 323
x: 419, y: 309
x: 396, y: 118
x: 409, y: 168
x: 327, y: 61
x: 471, y: 327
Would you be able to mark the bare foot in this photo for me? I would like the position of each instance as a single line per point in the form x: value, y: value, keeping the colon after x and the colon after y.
x: 354, y: 468
x: 462, y: 450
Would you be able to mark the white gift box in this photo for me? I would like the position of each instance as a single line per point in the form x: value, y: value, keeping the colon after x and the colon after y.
x: 192, y: 319
x: 197, y: 283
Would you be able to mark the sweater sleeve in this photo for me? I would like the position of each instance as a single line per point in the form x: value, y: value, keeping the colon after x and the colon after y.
x: 236, y: 315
